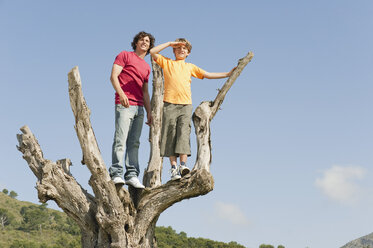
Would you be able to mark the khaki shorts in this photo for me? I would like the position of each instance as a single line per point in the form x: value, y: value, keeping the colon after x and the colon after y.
x: 175, y: 136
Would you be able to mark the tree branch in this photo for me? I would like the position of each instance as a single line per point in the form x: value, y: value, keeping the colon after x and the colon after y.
x: 110, y: 213
x: 152, y: 176
x: 153, y: 202
x: 55, y: 183
x: 206, y: 111
x: 228, y: 84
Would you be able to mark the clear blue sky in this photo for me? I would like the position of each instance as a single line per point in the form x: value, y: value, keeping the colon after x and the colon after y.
x: 292, y: 145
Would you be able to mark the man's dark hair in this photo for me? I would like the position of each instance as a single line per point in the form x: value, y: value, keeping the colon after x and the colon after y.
x: 141, y: 35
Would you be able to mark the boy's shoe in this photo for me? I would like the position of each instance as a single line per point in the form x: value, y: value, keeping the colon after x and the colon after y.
x: 118, y: 181
x: 183, y: 170
x: 175, y: 174
x: 134, y: 181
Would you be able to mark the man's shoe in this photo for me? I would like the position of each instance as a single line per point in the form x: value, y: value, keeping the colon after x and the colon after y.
x: 175, y: 174
x: 183, y: 170
x: 118, y: 181
x: 134, y: 181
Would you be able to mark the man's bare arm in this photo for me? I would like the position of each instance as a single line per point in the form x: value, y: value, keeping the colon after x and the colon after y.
x: 115, y: 71
x: 147, y: 104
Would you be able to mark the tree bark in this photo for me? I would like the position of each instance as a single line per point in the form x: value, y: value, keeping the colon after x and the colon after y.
x: 152, y: 175
x: 117, y: 217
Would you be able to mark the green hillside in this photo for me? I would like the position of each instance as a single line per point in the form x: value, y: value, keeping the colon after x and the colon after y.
x: 28, y: 225
x: 168, y: 238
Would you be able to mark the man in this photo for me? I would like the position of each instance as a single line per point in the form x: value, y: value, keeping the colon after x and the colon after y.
x: 129, y: 77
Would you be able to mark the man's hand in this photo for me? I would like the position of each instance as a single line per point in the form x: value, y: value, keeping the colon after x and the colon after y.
x: 149, y: 119
x: 124, y: 100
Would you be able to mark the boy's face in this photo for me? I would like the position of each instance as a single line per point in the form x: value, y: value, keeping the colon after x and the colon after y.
x: 181, y: 52
x: 143, y: 44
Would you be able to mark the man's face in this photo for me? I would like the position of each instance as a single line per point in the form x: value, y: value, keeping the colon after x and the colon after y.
x: 181, y: 52
x: 143, y: 44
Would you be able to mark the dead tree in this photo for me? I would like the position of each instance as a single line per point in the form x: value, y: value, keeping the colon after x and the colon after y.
x: 3, y: 221
x: 117, y: 217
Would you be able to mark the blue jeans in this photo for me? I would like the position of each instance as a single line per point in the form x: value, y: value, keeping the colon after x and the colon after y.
x: 128, y: 125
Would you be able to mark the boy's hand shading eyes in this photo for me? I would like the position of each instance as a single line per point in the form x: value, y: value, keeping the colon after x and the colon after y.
x: 175, y: 44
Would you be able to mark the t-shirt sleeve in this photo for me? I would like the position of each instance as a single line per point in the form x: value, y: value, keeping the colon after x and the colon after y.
x: 161, y: 60
x: 197, y: 72
x: 147, y: 77
x: 121, y: 59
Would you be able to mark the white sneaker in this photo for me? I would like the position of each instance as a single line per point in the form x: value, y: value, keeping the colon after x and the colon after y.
x: 183, y: 170
x: 134, y: 181
x: 118, y: 181
x: 175, y: 174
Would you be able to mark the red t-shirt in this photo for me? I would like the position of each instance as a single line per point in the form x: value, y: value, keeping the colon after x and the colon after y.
x: 134, y: 74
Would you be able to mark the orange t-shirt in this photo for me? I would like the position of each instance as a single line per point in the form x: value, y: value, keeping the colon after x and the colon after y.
x: 177, y: 79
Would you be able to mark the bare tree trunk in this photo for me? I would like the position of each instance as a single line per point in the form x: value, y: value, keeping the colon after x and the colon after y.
x: 117, y: 217
x: 152, y: 176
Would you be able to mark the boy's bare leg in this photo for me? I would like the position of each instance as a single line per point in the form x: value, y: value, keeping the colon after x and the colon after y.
x: 183, y: 158
x: 173, y: 160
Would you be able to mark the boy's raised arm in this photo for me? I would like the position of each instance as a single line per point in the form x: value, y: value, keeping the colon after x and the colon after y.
x: 216, y: 75
x: 155, y: 50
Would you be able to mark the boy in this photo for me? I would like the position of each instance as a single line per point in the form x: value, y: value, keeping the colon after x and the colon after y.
x: 177, y: 110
